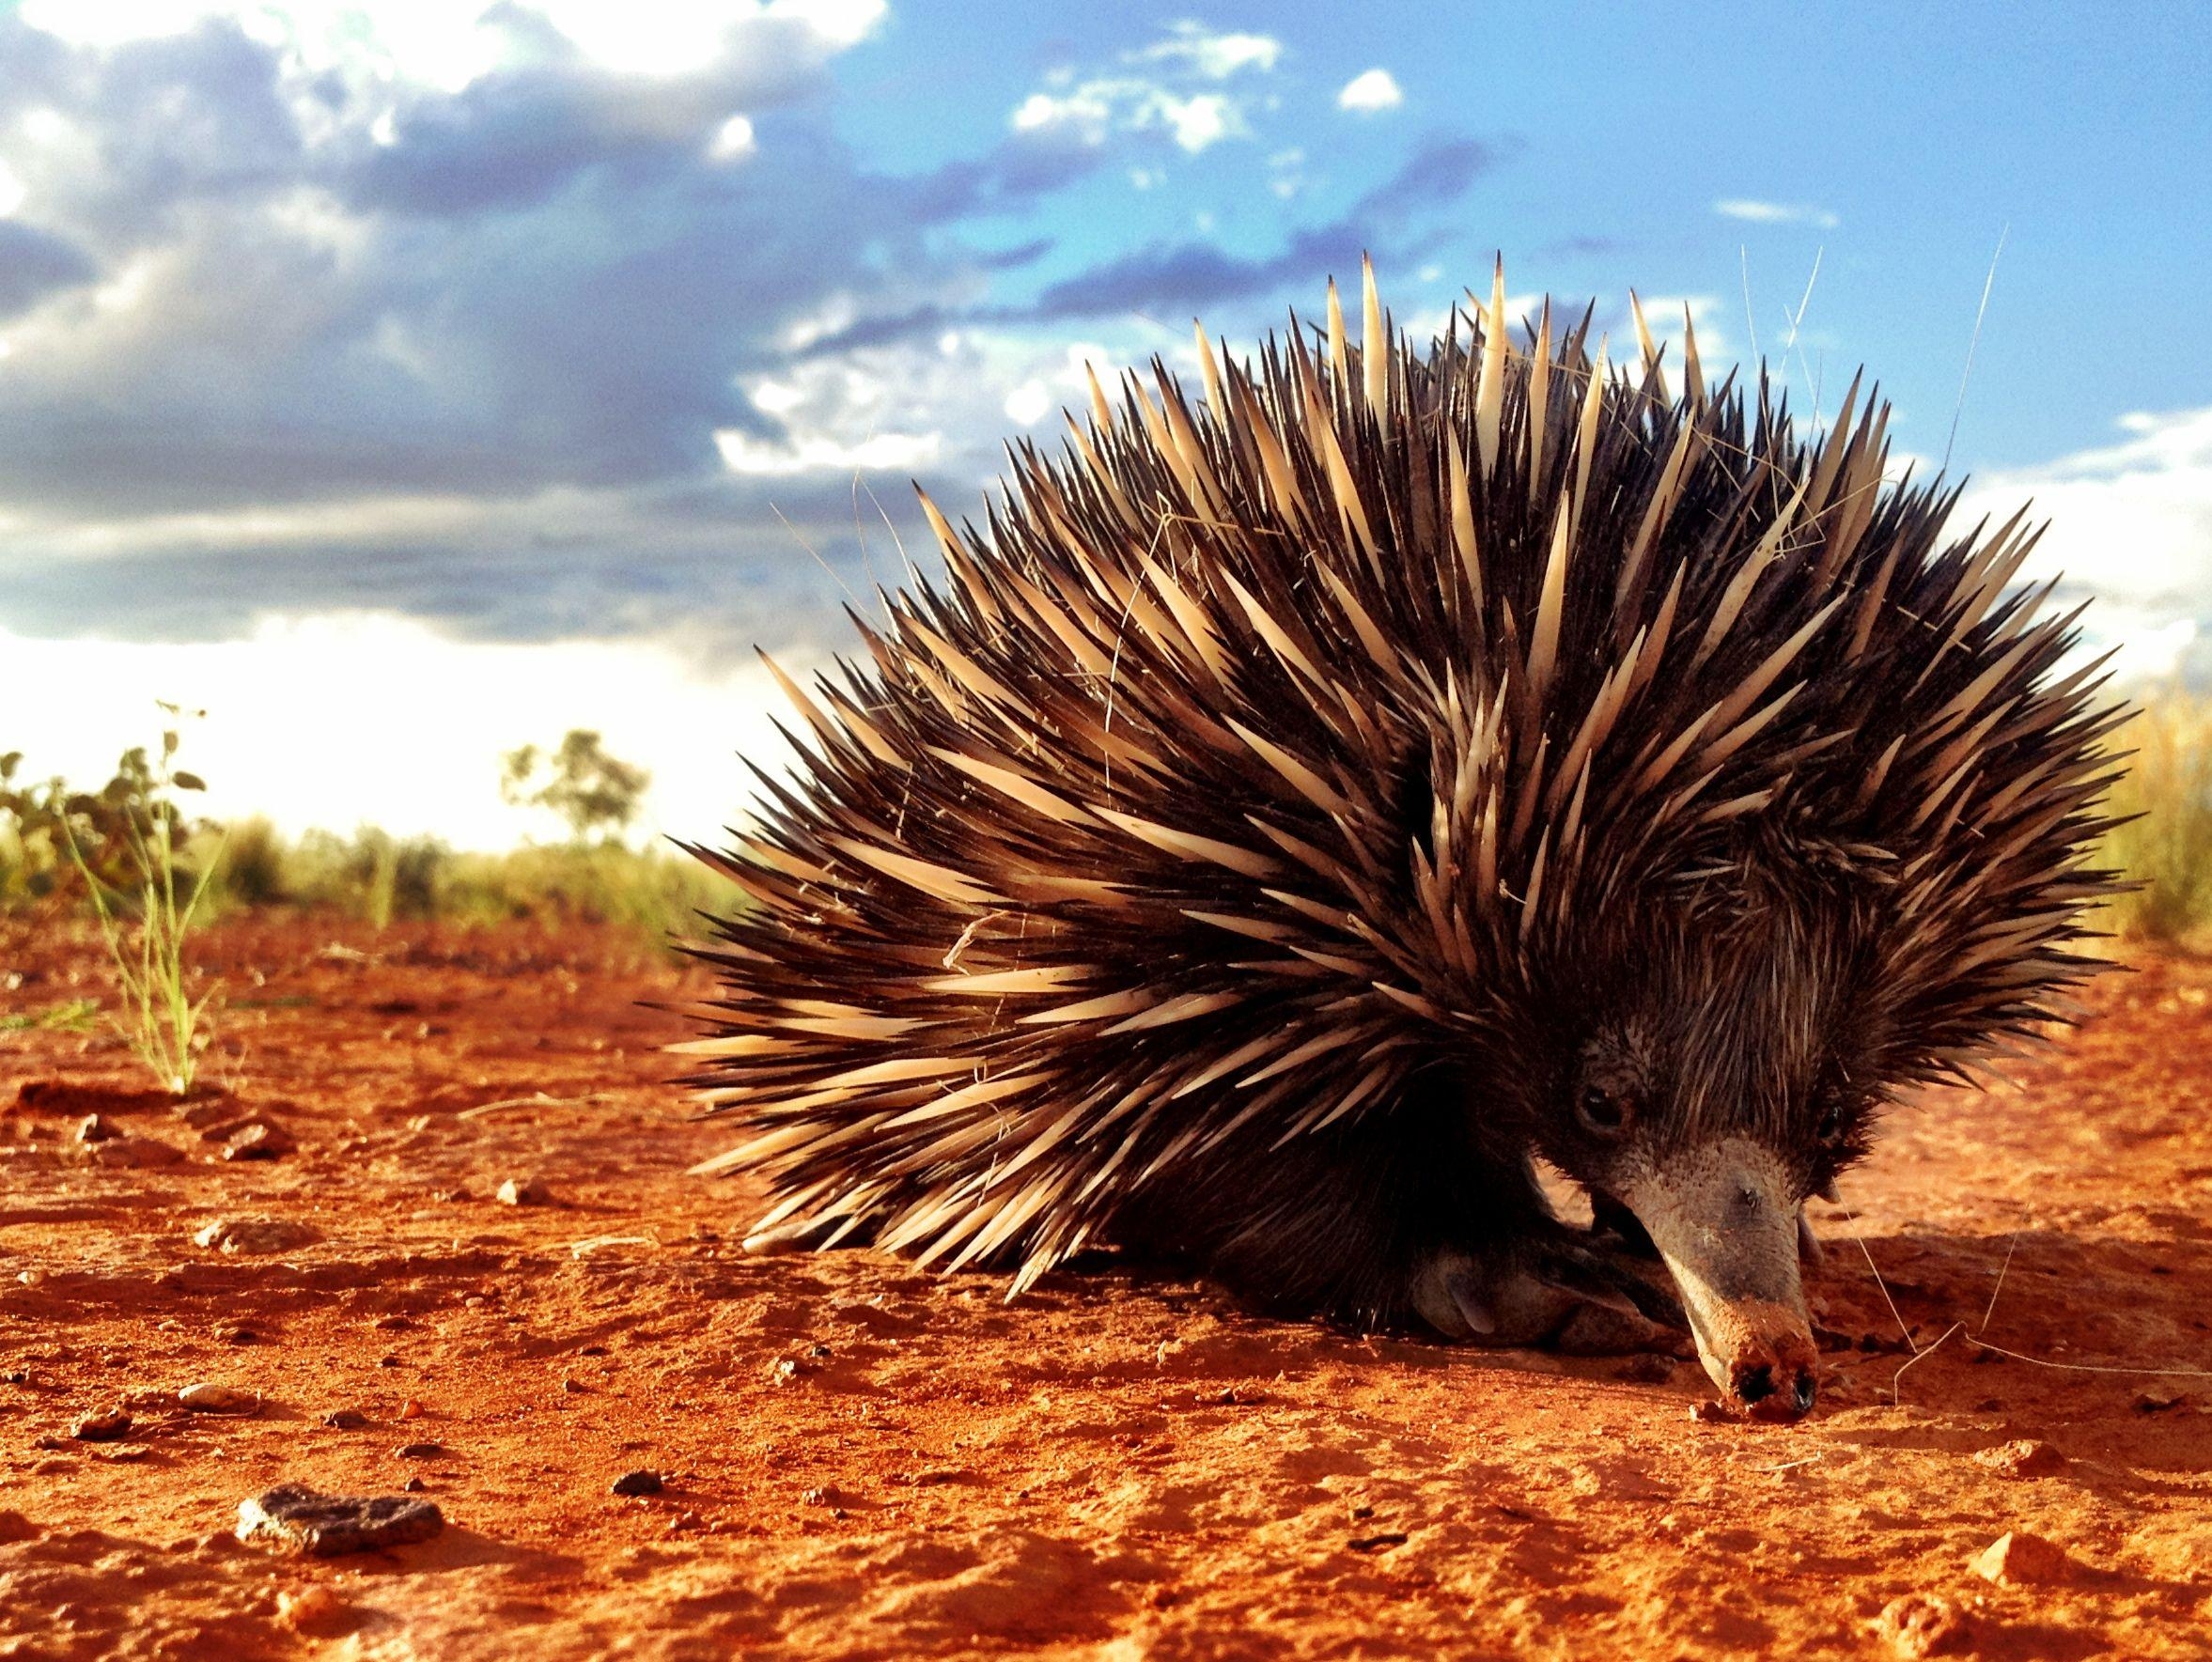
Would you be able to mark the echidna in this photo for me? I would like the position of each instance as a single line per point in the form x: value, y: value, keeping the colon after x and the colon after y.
x: 1298, y: 812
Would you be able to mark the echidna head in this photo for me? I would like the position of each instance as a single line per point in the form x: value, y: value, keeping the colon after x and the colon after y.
x: 1706, y: 1074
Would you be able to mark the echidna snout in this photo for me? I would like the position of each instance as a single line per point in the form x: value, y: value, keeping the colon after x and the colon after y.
x: 1724, y: 1219
x: 1697, y: 1088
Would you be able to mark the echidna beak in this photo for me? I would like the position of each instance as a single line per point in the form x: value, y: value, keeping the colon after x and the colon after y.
x: 1726, y: 1222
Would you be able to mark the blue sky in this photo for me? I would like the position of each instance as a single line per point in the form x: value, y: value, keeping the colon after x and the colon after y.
x: 444, y: 351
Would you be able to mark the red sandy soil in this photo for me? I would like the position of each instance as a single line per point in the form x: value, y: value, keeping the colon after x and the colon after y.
x: 866, y: 1461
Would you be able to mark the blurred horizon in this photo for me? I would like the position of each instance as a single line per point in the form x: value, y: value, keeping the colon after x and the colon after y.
x: 405, y: 382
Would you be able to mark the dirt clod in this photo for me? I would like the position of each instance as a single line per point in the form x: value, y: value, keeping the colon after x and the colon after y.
x: 254, y: 1235
x: 310, y: 1609
x: 638, y: 1483
x: 112, y: 1425
x: 1920, y: 1624
x: 2022, y: 1457
x: 131, y: 1153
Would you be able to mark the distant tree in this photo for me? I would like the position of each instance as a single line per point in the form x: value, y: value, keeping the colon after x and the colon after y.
x: 597, y: 794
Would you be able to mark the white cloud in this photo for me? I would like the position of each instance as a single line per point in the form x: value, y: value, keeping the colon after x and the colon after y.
x: 1177, y: 100
x: 1199, y: 121
x: 1776, y: 214
x: 1029, y: 403
x: 819, y: 453
x: 2131, y: 524
x: 1217, y: 56
x: 440, y: 44
x: 1371, y: 92
x: 423, y: 755
x: 1088, y: 111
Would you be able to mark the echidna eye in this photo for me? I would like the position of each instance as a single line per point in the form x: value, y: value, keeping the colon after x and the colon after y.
x: 1602, y: 1112
x: 1832, y: 1125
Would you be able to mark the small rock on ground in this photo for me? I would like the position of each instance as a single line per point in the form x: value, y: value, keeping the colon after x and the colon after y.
x: 326, y: 1526
x: 254, y: 1235
x: 204, y: 1398
x: 2014, y: 1559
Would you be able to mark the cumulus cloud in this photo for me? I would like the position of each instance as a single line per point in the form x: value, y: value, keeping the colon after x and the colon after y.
x: 531, y: 326
x: 2130, y: 524
x: 1776, y: 214
x: 1171, y: 86
x: 1215, y: 55
x: 1370, y: 93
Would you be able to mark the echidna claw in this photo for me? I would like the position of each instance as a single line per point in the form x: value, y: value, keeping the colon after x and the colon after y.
x: 1559, y: 1295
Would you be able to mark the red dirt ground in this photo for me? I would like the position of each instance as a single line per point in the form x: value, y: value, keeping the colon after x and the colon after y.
x: 864, y: 1461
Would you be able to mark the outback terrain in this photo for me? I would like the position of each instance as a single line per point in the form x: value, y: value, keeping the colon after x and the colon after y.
x: 858, y: 1460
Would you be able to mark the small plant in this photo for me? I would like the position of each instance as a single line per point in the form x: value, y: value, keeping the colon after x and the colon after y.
x: 164, y: 1026
x: 596, y: 793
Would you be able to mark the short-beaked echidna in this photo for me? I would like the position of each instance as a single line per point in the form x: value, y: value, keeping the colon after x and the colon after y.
x: 1298, y: 810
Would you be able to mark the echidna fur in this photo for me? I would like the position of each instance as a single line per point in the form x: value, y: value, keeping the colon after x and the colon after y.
x: 1297, y: 809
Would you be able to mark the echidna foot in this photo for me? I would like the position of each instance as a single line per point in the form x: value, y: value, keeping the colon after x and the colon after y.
x: 1556, y: 1295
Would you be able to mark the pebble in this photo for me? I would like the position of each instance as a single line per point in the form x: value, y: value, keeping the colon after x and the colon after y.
x: 2024, y: 1458
x: 638, y: 1483
x: 525, y: 1191
x: 231, y: 1333
x: 346, y: 1420
x: 1923, y: 1625
x: 249, y: 1236
x: 325, y: 1526
x: 258, y: 1140
x: 95, y: 1128
x: 2017, y: 1560
x: 204, y: 1398
x: 410, y: 1409
x: 415, y: 1485
x: 107, y: 1427
x: 419, y: 1450
x: 136, y: 1152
